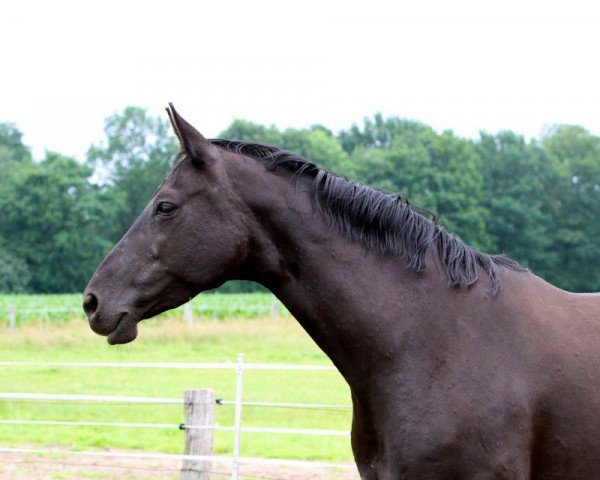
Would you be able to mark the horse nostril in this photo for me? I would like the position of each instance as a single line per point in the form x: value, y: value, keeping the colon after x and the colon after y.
x: 90, y: 304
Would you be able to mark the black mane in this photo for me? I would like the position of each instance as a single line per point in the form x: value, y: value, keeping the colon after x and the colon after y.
x: 381, y: 221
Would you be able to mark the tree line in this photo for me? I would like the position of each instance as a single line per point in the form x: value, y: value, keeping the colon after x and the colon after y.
x: 536, y: 200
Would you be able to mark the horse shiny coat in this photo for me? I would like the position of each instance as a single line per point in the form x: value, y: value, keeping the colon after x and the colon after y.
x: 462, y: 365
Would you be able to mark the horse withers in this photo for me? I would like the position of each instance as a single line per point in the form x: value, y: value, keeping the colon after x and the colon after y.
x: 461, y: 365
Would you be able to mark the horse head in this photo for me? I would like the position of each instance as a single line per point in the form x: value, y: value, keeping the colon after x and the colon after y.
x: 190, y: 237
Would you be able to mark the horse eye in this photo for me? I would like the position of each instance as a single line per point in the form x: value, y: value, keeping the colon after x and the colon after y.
x: 165, y: 208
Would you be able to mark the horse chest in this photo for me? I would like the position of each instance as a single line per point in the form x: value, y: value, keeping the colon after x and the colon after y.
x: 430, y: 436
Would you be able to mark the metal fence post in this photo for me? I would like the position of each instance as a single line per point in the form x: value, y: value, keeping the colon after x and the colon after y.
x: 274, y: 311
x: 199, y: 408
x: 237, y: 432
x: 187, y: 313
x: 12, y: 318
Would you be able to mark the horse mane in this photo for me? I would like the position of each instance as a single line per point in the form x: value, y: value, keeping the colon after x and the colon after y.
x: 383, y: 222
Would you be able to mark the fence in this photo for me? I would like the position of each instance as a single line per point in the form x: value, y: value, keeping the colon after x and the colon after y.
x: 198, y: 425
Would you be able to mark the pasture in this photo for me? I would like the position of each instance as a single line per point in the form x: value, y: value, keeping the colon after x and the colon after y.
x: 63, y: 307
x: 212, y: 338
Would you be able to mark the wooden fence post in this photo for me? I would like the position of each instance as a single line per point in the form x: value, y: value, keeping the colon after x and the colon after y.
x: 12, y: 318
x: 199, y: 408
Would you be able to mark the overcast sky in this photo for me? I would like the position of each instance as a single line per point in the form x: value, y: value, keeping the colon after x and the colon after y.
x: 460, y: 65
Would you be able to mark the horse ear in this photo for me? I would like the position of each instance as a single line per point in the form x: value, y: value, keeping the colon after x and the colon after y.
x: 191, y: 141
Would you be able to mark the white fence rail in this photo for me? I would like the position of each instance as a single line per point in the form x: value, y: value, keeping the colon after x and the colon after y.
x: 234, y: 461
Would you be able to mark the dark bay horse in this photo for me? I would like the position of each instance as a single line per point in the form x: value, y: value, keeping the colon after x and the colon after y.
x: 462, y: 365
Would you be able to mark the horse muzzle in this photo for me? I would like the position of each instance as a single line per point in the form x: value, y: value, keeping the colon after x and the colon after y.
x: 119, y: 327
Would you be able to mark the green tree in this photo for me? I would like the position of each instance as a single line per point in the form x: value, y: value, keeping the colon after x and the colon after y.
x: 515, y: 172
x: 573, y: 202
x: 52, y: 221
x: 379, y: 132
x: 316, y: 143
x: 402, y: 166
x: 13, y: 153
x: 458, y: 189
x: 12, y: 150
x: 441, y: 173
x: 247, y: 131
x: 14, y: 274
x: 319, y: 145
x: 132, y: 162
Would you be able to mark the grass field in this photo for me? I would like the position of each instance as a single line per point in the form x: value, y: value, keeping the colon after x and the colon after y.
x: 169, y: 340
x: 64, y: 307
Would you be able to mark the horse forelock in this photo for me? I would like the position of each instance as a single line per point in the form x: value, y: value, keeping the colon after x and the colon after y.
x: 383, y: 222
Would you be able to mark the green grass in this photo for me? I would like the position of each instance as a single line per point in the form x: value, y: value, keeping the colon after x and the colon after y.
x: 169, y: 340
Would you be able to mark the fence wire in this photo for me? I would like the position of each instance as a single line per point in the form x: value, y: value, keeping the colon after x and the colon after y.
x: 234, y: 462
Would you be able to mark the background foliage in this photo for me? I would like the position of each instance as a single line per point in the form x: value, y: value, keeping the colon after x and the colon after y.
x: 536, y: 200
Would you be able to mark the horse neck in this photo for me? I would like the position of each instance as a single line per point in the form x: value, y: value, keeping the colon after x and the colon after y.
x: 357, y: 306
